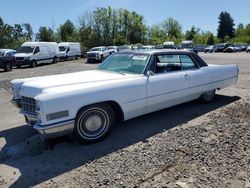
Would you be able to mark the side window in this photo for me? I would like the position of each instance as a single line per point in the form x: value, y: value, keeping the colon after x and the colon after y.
x: 37, y: 49
x: 167, y: 63
x: 187, y: 63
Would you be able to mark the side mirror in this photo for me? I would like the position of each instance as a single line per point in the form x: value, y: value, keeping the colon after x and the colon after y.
x: 149, y: 73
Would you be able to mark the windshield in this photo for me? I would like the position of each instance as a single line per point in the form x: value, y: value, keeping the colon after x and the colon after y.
x: 26, y: 49
x: 95, y: 49
x: 62, y: 48
x: 125, y: 63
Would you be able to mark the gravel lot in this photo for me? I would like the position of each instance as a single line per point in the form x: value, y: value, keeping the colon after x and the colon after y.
x: 189, y: 145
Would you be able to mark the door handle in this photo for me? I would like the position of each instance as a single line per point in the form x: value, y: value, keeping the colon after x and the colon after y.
x: 185, y: 76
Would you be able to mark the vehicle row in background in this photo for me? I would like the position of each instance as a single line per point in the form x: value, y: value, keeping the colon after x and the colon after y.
x: 226, y: 47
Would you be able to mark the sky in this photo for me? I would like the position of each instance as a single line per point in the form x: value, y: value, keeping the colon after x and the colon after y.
x: 51, y: 13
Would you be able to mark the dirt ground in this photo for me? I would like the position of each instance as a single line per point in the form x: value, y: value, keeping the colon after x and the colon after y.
x: 189, y: 145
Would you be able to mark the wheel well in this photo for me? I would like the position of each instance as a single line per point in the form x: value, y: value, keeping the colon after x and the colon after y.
x: 119, y: 116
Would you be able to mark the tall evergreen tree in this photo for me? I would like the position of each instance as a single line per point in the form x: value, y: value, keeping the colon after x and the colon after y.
x: 226, y: 26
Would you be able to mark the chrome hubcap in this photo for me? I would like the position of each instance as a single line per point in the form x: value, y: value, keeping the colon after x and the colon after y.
x: 93, y: 123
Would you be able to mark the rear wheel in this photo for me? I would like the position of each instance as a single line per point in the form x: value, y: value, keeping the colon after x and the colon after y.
x: 8, y: 67
x: 33, y: 64
x: 207, y: 96
x: 93, y: 123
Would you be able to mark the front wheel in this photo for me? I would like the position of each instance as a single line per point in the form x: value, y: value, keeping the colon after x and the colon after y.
x: 207, y: 96
x: 93, y: 123
x: 33, y: 64
x: 8, y: 67
x: 55, y: 60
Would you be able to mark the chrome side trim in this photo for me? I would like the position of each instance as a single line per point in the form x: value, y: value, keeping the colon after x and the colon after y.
x: 55, y: 130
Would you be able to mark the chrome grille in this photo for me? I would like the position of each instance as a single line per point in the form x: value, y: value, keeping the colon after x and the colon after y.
x: 19, y: 58
x: 29, y: 105
x: 91, y: 55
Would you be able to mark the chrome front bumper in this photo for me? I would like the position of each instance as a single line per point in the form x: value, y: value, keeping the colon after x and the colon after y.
x: 47, y: 131
x: 55, y: 130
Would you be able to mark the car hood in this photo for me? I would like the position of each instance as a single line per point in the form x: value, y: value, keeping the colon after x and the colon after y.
x: 23, y: 54
x: 92, y: 52
x: 31, y: 87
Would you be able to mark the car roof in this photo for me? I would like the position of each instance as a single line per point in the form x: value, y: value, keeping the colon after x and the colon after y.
x: 157, y: 51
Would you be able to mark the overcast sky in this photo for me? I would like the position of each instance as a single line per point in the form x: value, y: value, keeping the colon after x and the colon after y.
x: 200, y: 13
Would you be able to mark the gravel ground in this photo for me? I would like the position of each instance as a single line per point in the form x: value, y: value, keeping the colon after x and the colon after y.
x: 190, y: 145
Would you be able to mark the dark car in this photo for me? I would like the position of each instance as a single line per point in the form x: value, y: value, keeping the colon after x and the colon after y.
x: 7, y: 59
x: 230, y: 49
x: 248, y: 49
x: 221, y: 47
x: 209, y: 49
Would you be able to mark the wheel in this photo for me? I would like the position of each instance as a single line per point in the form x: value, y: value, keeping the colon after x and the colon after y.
x: 93, y: 123
x: 102, y: 59
x: 55, y: 60
x: 33, y: 64
x: 67, y: 58
x: 8, y: 67
x: 76, y: 57
x: 207, y: 96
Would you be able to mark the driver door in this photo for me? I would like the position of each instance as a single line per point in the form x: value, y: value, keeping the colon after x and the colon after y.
x: 168, y: 85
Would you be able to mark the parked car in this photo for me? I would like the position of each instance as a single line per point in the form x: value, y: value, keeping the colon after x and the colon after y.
x: 200, y: 47
x: 125, y: 48
x: 98, y: 54
x: 230, y: 49
x: 248, y: 49
x: 221, y: 47
x: 147, y: 47
x: 69, y: 50
x: 168, y: 45
x: 113, y: 49
x: 127, y: 84
x: 188, y: 45
x: 209, y: 49
x: 7, y: 59
x: 34, y: 53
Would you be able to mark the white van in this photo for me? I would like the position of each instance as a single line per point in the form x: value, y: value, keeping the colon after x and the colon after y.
x: 69, y: 50
x: 168, y: 45
x: 34, y: 53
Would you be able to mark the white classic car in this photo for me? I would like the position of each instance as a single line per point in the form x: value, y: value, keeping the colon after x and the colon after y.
x: 126, y: 85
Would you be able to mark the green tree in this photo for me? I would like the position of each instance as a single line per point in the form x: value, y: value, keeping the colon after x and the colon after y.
x: 226, y: 26
x: 45, y: 34
x: 28, y: 31
x: 6, y: 35
x: 190, y: 34
x: 68, y: 32
x: 210, y: 39
x: 172, y: 28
